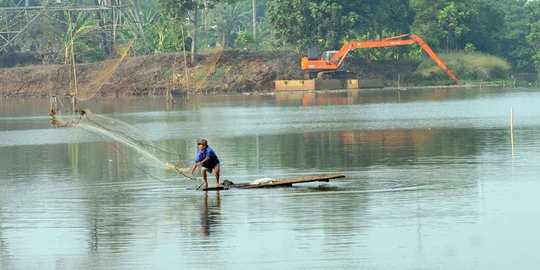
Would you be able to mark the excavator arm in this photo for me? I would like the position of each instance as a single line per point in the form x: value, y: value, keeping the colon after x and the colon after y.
x: 335, y: 62
x: 435, y: 58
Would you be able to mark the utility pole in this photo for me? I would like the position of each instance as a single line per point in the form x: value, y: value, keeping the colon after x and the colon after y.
x: 254, y: 4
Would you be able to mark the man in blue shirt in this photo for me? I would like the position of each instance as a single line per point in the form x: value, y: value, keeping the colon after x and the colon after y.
x: 208, y: 160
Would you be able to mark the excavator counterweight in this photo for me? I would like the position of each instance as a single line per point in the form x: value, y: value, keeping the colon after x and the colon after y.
x: 325, y: 68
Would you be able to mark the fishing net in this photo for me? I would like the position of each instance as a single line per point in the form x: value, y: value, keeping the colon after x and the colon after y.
x: 97, y: 77
x: 124, y: 137
x: 194, y: 79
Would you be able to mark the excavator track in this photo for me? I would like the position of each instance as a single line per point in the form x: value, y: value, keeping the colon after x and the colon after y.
x: 336, y: 74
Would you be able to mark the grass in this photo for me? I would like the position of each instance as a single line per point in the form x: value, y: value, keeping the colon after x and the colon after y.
x: 218, y: 72
x: 467, y: 66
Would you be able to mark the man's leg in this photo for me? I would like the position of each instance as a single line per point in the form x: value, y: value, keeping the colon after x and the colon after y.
x: 205, y: 183
x: 217, y: 174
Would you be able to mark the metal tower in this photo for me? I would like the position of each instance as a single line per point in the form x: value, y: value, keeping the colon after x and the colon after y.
x: 16, y: 16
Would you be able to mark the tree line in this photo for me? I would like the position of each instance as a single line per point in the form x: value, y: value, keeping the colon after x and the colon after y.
x: 506, y: 28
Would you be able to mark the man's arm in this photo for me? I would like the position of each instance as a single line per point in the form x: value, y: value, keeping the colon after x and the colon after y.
x: 197, y: 165
x: 205, y: 160
x: 193, y: 169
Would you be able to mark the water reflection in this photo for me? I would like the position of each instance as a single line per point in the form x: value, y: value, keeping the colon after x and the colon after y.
x: 4, y: 255
x: 112, y: 219
x: 375, y: 96
x: 210, y: 213
x: 317, y: 99
x: 74, y: 154
x: 349, y: 149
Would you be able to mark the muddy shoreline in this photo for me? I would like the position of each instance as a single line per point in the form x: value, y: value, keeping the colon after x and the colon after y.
x: 224, y: 73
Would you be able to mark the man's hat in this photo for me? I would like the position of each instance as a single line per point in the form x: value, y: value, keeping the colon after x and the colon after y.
x: 203, y: 142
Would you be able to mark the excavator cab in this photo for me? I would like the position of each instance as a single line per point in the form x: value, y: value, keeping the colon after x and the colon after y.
x: 325, y: 60
x: 312, y: 53
x: 327, y: 56
x: 314, y: 60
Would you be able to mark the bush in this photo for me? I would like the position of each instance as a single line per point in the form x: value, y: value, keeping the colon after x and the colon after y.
x: 245, y: 40
x: 467, y: 66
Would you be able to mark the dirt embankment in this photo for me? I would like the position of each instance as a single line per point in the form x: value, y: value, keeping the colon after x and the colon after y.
x: 228, y: 72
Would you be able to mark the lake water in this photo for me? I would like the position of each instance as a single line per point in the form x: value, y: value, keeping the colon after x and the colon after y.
x: 431, y: 183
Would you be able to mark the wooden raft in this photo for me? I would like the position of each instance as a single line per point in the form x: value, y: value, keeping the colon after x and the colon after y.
x: 286, y: 182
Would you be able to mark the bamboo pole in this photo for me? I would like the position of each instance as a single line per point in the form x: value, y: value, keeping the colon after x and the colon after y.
x: 73, y: 91
x: 54, y: 104
x: 512, y: 130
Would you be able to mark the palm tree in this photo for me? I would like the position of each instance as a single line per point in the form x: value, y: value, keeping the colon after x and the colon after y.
x: 229, y: 20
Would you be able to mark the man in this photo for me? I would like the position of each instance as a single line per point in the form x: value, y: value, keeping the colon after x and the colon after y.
x: 208, y: 160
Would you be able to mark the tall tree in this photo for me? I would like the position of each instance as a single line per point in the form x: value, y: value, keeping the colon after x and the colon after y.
x: 442, y: 23
x: 327, y: 24
x: 106, y: 41
x: 426, y: 22
x: 451, y: 20
x: 514, y: 45
x: 476, y: 22
x: 485, y: 26
x: 534, y: 31
x: 379, y: 19
x: 229, y: 20
x: 182, y: 11
x: 304, y: 23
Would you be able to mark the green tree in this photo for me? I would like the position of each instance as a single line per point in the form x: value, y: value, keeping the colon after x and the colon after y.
x: 477, y: 22
x: 160, y: 34
x: 80, y: 40
x: 380, y: 19
x: 328, y: 24
x: 304, y: 23
x: 513, y: 44
x: 265, y: 34
x: 181, y: 10
x: 190, y: 10
x: 229, y: 20
x: 486, y: 25
x: 533, y: 37
x: 426, y: 22
x: 246, y: 40
x: 442, y: 23
x: 451, y: 20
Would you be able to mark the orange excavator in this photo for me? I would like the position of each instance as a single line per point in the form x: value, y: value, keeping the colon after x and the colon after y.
x: 328, y: 66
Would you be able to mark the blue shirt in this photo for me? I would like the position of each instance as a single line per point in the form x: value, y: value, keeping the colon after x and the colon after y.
x: 208, y: 152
